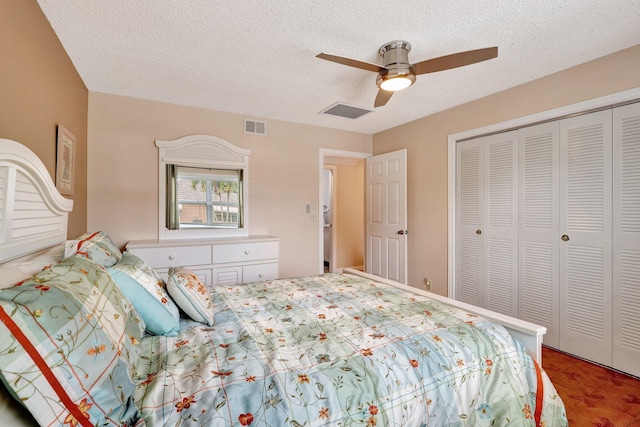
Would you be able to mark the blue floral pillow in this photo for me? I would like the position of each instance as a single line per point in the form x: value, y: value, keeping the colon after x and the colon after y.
x: 147, y: 293
x: 97, y: 247
x: 70, y: 344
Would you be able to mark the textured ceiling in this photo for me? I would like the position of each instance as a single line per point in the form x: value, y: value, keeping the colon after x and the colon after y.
x: 257, y: 57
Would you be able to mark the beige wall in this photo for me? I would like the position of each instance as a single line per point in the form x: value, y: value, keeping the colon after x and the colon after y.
x: 427, y: 144
x: 40, y: 88
x: 350, y: 215
x: 284, y: 171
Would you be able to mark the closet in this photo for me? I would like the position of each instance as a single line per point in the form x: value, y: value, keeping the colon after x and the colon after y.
x: 548, y: 230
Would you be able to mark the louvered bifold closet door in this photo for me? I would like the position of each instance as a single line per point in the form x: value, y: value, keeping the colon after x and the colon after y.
x: 626, y: 238
x: 487, y: 222
x: 586, y: 232
x: 539, y: 226
x: 469, y: 217
x: 500, y: 230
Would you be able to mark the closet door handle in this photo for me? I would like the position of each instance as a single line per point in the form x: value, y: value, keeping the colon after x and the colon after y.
x: 478, y: 232
x: 565, y: 238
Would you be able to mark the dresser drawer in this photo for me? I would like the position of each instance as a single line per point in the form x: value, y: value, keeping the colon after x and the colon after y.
x: 226, y: 276
x: 168, y: 256
x: 259, y: 272
x: 245, y: 251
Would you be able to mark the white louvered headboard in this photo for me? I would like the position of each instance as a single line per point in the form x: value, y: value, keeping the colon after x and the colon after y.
x: 33, y: 214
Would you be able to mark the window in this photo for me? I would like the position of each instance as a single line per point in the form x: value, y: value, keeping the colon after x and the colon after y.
x: 206, y: 198
x: 203, y: 188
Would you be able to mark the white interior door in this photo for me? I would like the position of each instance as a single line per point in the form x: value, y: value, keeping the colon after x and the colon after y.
x: 470, y: 220
x: 626, y: 238
x: 501, y: 222
x: 487, y: 222
x: 386, y: 227
x: 586, y: 233
x: 539, y: 228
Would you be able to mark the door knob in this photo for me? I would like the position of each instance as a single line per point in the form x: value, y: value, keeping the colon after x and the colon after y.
x: 565, y: 238
x: 401, y: 232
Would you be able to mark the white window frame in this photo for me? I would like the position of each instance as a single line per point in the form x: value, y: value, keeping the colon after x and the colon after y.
x: 210, y: 205
x: 201, y: 151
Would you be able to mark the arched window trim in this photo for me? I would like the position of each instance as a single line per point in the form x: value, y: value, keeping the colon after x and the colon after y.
x: 201, y: 151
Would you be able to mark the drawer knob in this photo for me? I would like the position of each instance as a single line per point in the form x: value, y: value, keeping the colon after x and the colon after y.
x: 261, y: 275
x: 172, y: 257
x: 246, y: 251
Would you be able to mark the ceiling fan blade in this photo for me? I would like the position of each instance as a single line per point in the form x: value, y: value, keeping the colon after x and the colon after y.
x: 382, y: 97
x: 455, y: 60
x: 351, y: 62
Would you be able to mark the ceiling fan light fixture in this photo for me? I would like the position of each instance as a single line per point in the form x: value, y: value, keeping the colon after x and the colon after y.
x: 396, y: 79
x: 397, y: 73
x: 396, y: 83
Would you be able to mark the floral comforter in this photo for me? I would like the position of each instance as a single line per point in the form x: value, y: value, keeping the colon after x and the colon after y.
x: 340, y: 350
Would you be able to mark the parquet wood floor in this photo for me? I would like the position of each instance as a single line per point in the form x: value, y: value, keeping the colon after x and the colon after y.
x: 593, y: 395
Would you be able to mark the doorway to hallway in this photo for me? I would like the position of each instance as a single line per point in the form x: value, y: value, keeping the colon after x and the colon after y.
x: 341, y: 205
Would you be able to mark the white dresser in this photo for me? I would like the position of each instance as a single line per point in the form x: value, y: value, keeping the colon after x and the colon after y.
x: 217, y: 262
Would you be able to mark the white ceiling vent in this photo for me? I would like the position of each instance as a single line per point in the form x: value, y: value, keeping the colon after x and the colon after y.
x: 255, y: 127
x: 347, y: 111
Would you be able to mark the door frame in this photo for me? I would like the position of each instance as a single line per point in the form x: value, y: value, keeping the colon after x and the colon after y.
x: 328, y: 152
x: 584, y: 107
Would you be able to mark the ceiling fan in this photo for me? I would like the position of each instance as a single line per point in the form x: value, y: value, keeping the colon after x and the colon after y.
x: 397, y: 73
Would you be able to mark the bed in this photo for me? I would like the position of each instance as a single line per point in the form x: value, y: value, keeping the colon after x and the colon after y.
x: 81, y: 343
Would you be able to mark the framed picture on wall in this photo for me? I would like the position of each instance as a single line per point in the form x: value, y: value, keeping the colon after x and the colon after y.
x: 65, y: 159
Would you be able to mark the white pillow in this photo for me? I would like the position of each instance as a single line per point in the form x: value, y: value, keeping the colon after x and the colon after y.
x: 10, y: 274
x: 29, y: 265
